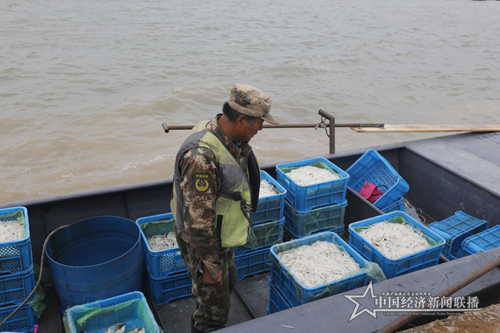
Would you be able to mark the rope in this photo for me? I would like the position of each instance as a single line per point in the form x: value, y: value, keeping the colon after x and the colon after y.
x: 322, y: 124
x: 39, y: 277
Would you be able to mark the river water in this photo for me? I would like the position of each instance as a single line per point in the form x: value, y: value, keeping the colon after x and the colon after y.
x: 86, y: 85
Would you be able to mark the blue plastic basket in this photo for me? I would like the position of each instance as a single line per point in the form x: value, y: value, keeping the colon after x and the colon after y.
x: 173, y: 287
x: 15, y: 256
x: 271, y: 207
x: 266, y: 234
x: 397, y: 205
x: 288, y: 235
x: 455, y: 229
x: 304, y: 198
x: 483, y: 241
x: 252, y: 263
x: 23, y: 320
x: 131, y: 314
x: 162, y: 263
x: 305, y: 223
x: 373, y: 168
x: 14, y: 288
x: 277, y: 302
x: 294, y: 292
x: 407, y: 264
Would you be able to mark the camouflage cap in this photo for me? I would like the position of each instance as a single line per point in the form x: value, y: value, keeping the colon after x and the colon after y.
x: 251, y: 102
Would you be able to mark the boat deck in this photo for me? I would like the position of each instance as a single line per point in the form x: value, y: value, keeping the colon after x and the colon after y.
x: 445, y: 174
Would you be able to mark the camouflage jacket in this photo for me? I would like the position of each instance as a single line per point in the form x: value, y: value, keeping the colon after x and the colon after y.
x: 199, y: 211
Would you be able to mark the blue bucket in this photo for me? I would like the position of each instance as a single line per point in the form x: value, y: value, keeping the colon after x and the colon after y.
x: 94, y: 259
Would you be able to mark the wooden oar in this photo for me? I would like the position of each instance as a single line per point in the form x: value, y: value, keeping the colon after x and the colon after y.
x: 429, y: 128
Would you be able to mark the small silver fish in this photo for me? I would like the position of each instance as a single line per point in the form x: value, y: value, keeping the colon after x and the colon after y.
x: 135, y: 330
x: 142, y: 330
x: 116, y: 328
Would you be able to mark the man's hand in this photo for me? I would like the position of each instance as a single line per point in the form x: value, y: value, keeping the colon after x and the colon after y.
x: 206, y: 276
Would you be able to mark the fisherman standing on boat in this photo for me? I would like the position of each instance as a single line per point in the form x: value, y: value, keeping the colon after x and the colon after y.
x: 216, y: 186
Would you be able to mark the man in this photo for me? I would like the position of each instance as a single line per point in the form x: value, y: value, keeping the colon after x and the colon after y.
x: 216, y: 186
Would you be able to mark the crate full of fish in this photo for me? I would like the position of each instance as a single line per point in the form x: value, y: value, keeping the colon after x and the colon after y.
x: 303, y: 223
x: 398, y: 243
x: 271, y: 200
x: 14, y: 288
x: 312, y: 183
x: 455, y: 229
x: 22, y: 321
x: 264, y: 235
x: 277, y: 302
x: 174, y: 286
x: 397, y: 205
x: 371, y: 167
x: 317, y: 266
x: 124, y: 313
x: 483, y: 241
x: 15, y: 244
x: 252, y: 262
x: 161, y: 252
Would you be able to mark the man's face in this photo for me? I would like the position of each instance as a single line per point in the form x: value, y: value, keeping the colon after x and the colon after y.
x: 247, y: 133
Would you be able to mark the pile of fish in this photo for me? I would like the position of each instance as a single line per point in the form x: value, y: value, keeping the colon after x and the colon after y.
x: 266, y: 189
x: 162, y: 242
x: 394, y: 240
x: 309, y: 175
x: 319, y: 263
x: 11, y: 231
x: 121, y: 328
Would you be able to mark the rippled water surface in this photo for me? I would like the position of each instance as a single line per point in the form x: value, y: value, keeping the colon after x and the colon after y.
x: 85, y: 85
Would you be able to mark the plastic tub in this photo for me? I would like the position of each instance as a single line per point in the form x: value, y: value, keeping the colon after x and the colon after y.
x: 483, y: 241
x: 271, y: 207
x: 96, y: 258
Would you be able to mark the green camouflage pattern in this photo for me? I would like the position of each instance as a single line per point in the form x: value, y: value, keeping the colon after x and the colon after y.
x: 213, y: 300
x: 199, y: 204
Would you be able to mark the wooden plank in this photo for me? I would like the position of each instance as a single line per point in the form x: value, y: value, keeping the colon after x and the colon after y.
x: 430, y: 128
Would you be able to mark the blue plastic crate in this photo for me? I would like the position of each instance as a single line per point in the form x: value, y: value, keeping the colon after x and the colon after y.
x: 254, y: 262
x: 14, y: 288
x: 303, y: 223
x: 304, y: 198
x: 271, y: 207
x: 294, y: 292
x: 288, y: 235
x: 16, y: 256
x: 23, y: 320
x: 373, y: 168
x: 172, y: 287
x: 266, y: 234
x: 134, y: 314
x: 397, y: 205
x: 407, y: 264
x: 455, y: 229
x: 277, y: 302
x: 162, y: 263
x: 483, y: 241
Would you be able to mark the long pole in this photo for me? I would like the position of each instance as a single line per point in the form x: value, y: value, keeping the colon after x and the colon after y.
x: 447, y: 292
x: 167, y: 128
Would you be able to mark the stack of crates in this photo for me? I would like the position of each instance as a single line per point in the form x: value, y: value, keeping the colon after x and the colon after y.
x: 286, y: 291
x: 480, y: 242
x: 395, y: 267
x: 17, y: 278
x: 455, y: 229
x: 268, y: 222
x: 167, y: 274
x: 317, y: 207
x: 371, y: 167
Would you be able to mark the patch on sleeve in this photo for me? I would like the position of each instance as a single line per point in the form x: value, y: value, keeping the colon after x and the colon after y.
x: 201, y: 182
